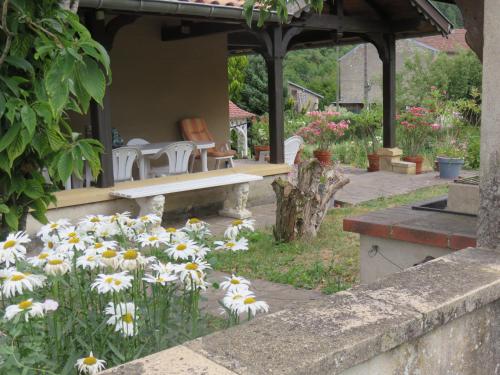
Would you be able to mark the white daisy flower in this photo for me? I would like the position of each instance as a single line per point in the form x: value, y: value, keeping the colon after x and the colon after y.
x: 201, y: 251
x: 119, y: 217
x: 99, y: 246
x: 122, y: 316
x: 90, y: 365
x: 235, y: 282
x: 91, y: 222
x: 50, y: 305
x: 110, y: 258
x: 237, y: 226
x: 250, y: 305
x: 73, y: 240
x: 57, y: 265
x: 90, y: 260
x: 53, y: 227
x: 106, y: 230
x: 40, y: 259
x: 196, y: 284
x: 168, y: 268
x: 192, y: 270
x: 175, y: 235
x: 234, y: 298
x: 13, y: 248
x: 16, y: 282
x: 182, y: 250
x: 146, y: 221
x: 115, y: 282
x: 159, y: 278
x: 28, y: 307
x: 197, y: 226
x: 132, y: 259
x: 49, y: 243
x: 232, y: 244
x: 153, y: 239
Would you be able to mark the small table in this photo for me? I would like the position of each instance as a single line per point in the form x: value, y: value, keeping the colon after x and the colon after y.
x: 153, y: 148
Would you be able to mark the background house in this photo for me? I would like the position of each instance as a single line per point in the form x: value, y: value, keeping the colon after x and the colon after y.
x: 304, y: 99
x: 361, y: 68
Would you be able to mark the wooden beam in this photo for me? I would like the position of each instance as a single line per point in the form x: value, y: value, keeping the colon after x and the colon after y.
x: 389, y: 92
x: 343, y: 23
x: 193, y: 30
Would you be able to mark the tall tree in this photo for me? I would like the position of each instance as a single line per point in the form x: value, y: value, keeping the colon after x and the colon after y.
x: 236, y: 71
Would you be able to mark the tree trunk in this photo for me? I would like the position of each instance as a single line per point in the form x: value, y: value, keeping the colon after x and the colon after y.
x: 302, y: 204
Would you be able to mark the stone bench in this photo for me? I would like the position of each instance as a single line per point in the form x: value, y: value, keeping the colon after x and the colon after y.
x: 151, y: 199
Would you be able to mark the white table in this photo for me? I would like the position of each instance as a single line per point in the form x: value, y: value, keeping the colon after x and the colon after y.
x: 153, y: 148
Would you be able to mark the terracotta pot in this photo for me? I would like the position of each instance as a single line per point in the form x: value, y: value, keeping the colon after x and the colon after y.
x: 298, y: 157
x: 323, y: 156
x: 258, y: 149
x: 418, y: 160
x: 373, y: 163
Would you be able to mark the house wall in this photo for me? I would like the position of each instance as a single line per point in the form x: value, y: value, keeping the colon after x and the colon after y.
x: 155, y: 84
x: 303, y: 99
x: 352, y: 70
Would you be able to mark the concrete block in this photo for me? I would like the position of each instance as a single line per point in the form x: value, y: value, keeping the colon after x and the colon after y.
x: 404, y: 167
x: 389, y: 151
x: 463, y: 198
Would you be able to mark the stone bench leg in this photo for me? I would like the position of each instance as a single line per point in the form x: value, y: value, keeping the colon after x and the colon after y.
x: 151, y: 205
x: 235, y: 204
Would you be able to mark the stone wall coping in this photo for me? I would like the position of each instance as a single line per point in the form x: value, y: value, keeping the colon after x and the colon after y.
x: 454, y: 232
x: 340, y: 331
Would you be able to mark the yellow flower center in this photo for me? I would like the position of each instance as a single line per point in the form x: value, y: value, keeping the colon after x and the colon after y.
x: 108, y: 280
x: 118, y: 282
x: 249, y: 301
x: 144, y: 218
x: 230, y: 244
x: 181, y: 247
x: 98, y: 245
x: 43, y: 255
x: 194, y: 220
x: 74, y: 240
x: 90, y: 258
x: 171, y: 230
x: 50, y: 245
x: 191, y: 266
x: 89, y: 361
x: 54, y: 225
x: 9, y: 244
x: 153, y: 238
x: 235, y: 281
x: 72, y: 234
x: 108, y: 254
x: 237, y: 222
x: 17, y: 277
x: 128, y: 318
x: 130, y: 255
x: 95, y: 220
x: 25, y: 305
x: 55, y: 262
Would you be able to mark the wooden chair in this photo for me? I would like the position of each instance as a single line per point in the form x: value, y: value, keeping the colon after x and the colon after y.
x: 196, y: 129
x: 123, y: 162
x: 178, y: 156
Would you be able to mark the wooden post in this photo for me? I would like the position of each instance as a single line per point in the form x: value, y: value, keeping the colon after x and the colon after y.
x: 274, y: 63
x: 389, y: 90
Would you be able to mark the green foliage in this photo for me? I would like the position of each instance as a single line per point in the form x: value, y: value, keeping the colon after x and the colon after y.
x: 472, y: 157
x: 366, y: 127
x: 253, y: 96
x: 451, y: 12
x: 457, y: 75
x: 259, y: 131
x: 52, y: 66
x: 236, y: 71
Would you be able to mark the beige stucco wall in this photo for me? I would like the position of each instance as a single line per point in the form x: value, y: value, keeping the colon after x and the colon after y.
x: 155, y: 84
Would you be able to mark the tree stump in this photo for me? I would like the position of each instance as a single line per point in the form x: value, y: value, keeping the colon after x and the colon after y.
x: 303, y: 202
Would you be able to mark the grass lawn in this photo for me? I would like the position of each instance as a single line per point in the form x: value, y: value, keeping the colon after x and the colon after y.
x: 328, y: 263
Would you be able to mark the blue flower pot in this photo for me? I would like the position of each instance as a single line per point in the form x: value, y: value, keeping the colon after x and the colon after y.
x: 449, y: 168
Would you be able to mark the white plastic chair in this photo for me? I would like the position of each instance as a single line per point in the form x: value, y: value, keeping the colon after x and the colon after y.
x: 123, y: 162
x: 178, y: 155
x: 137, y: 142
x: 292, y: 147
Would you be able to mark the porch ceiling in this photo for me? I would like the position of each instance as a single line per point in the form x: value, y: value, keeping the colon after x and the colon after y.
x: 359, y: 18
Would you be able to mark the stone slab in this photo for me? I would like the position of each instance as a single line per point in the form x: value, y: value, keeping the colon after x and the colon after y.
x: 404, y: 167
x: 336, y: 333
x: 178, y: 360
x: 463, y: 198
x: 389, y: 151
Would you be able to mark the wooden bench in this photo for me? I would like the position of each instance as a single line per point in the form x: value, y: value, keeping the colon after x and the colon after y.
x: 151, y: 199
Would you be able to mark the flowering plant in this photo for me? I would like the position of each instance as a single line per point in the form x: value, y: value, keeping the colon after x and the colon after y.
x: 416, y: 126
x: 324, y: 129
x: 108, y: 290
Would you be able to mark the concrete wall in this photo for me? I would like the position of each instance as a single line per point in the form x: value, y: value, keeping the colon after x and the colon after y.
x: 156, y: 84
x: 376, y: 265
x: 352, y: 77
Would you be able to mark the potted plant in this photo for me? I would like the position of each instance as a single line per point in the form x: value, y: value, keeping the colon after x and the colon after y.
x: 324, y: 128
x: 415, y: 130
x: 259, y: 132
x: 450, y: 157
x: 366, y: 128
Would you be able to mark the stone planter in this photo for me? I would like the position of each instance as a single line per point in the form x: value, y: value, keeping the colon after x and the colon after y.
x: 449, y: 168
x: 373, y: 163
x: 323, y: 156
x: 258, y: 149
x: 418, y: 160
